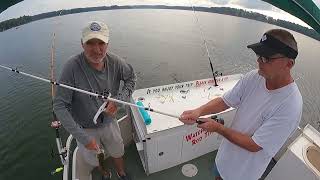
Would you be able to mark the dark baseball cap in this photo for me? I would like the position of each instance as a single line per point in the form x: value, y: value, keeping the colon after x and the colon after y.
x: 269, y: 46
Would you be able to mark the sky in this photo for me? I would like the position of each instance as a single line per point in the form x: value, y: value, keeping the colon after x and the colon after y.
x: 33, y: 7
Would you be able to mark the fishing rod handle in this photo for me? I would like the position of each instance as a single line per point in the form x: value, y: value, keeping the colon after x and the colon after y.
x: 214, y: 117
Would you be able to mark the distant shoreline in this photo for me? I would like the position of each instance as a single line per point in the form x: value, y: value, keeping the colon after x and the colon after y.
x: 11, y: 23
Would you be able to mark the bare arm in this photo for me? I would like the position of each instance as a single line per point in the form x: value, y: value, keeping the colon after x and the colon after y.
x: 239, y: 139
x: 214, y: 106
x: 243, y: 140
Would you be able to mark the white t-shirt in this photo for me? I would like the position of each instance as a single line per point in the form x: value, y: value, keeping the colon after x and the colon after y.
x: 268, y: 116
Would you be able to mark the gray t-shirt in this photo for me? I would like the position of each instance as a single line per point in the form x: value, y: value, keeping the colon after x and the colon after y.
x: 75, y: 109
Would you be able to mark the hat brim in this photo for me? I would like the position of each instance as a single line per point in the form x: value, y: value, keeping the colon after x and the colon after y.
x: 95, y: 36
x: 262, y: 49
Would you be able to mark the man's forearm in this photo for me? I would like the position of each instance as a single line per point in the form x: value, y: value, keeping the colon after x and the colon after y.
x: 239, y: 139
x: 214, y: 106
x: 70, y: 125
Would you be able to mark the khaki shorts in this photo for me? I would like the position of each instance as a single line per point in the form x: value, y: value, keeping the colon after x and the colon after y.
x: 109, y: 139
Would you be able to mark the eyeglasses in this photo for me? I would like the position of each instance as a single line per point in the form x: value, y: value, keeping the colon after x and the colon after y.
x: 267, y: 59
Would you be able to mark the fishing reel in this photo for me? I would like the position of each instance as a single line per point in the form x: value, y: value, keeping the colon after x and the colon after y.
x: 214, y: 117
x: 217, y: 73
x: 53, y: 154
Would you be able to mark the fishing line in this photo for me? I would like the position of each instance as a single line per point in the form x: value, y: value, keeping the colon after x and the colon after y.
x: 204, y: 42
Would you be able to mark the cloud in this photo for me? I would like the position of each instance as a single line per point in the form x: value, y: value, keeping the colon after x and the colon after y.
x: 252, y: 4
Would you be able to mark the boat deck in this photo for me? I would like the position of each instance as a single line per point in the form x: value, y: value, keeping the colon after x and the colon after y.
x: 135, y: 169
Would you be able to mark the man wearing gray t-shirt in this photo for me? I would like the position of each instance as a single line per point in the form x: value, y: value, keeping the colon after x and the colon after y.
x: 268, y: 107
x: 99, y: 71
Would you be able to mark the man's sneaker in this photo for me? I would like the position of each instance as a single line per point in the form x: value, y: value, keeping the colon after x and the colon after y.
x: 124, y: 177
x: 107, y: 177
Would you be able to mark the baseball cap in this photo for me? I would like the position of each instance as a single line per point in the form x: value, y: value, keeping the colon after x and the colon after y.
x: 95, y: 29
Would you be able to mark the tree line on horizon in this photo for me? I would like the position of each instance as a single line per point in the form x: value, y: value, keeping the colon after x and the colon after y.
x: 11, y: 23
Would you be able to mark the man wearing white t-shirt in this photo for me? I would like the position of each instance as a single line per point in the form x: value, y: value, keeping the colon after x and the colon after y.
x: 268, y: 109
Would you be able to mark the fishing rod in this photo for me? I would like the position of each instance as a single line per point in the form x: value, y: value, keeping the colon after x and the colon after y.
x: 55, y: 123
x: 108, y: 98
x: 205, y: 44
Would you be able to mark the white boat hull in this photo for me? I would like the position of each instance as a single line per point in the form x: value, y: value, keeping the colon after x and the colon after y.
x: 167, y: 142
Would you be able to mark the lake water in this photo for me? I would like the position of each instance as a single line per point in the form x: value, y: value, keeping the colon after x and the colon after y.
x: 163, y: 46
